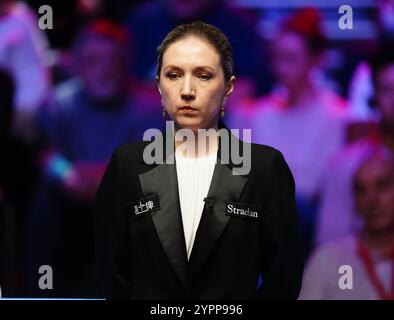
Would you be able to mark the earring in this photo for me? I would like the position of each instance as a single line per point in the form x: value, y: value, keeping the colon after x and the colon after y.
x: 222, y: 111
x: 222, y: 108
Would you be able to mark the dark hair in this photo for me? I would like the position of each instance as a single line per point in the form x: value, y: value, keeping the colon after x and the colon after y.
x: 306, y: 23
x: 206, y: 31
x: 105, y: 29
x: 6, y: 100
x: 381, y: 60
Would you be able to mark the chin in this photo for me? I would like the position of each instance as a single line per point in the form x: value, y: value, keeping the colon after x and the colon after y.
x: 189, y: 123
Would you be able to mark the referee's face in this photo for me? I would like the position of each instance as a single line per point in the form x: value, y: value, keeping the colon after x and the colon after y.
x: 192, y: 83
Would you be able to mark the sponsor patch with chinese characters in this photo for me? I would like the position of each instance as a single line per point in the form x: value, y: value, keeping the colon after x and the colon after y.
x: 144, y: 206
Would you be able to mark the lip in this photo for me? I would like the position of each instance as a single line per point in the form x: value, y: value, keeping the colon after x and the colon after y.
x: 187, y: 109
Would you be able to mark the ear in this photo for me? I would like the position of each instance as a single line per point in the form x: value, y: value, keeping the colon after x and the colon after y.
x: 158, y: 84
x: 230, y: 86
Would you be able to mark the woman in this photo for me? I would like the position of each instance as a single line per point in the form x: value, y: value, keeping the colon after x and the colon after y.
x: 193, y: 229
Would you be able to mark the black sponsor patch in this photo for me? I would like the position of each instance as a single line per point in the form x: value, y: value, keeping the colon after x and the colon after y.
x: 242, y: 210
x: 145, y: 205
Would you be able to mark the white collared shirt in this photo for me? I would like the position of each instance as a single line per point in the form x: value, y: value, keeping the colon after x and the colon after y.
x: 194, y: 178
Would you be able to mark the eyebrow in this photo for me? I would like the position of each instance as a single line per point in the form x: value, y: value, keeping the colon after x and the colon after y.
x: 200, y: 68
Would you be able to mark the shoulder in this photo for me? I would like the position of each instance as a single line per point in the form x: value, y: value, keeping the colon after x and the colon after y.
x: 267, y: 161
x: 328, y: 258
x: 270, y: 165
x: 127, y: 158
x: 131, y: 150
x: 337, y: 250
x: 334, y: 108
x: 264, y: 154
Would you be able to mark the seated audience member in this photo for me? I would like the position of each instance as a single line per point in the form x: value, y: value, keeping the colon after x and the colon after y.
x: 302, y: 118
x: 17, y: 182
x: 336, y: 216
x: 369, y: 250
x: 89, y: 116
x: 23, y: 51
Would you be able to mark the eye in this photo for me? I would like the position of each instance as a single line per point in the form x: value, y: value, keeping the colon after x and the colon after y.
x: 172, y: 75
x: 204, y: 76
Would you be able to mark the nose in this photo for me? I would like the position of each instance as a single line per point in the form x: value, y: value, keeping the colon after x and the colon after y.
x: 188, y: 92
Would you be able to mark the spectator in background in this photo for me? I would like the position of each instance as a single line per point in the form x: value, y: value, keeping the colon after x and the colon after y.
x: 89, y: 116
x: 361, y: 84
x: 68, y: 17
x: 17, y: 182
x: 153, y: 21
x: 368, y: 251
x: 336, y: 214
x: 23, y: 51
x: 302, y: 118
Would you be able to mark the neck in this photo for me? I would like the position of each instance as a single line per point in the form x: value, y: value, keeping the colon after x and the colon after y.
x: 382, y: 242
x: 301, y: 93
x: 197, y: 145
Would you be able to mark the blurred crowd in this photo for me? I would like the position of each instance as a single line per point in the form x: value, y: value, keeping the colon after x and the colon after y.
x: 71, y: 94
